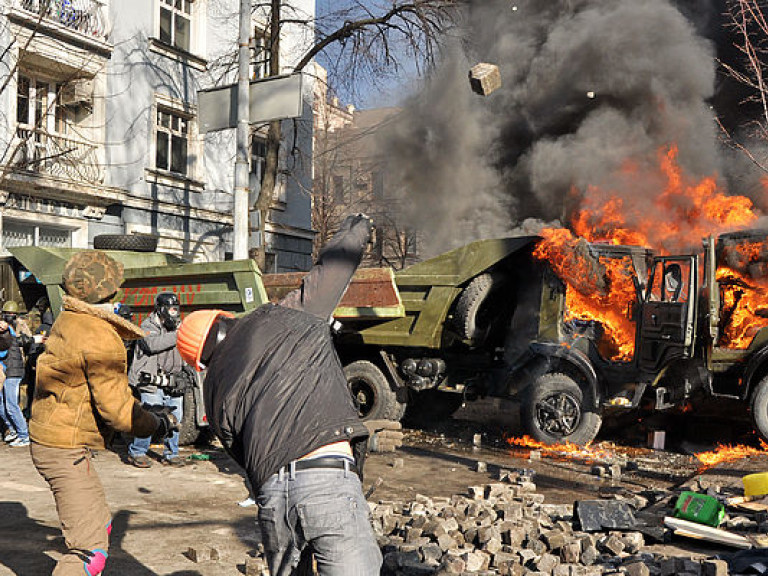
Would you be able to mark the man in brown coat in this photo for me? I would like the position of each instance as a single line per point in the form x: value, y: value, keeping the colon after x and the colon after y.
x: 82, y: 395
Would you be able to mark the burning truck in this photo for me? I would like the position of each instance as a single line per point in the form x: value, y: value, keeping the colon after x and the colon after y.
x: 568, y: 326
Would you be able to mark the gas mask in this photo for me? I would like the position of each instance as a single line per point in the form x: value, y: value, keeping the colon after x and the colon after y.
x: 168, y: 310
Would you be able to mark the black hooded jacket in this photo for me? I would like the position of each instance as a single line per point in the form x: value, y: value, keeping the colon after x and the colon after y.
x: 275, y: 389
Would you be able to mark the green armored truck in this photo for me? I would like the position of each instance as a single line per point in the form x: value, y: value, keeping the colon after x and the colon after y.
x: 490, y: 319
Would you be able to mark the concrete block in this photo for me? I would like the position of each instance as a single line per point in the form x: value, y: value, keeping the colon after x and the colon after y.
x: 484, y: 78
x: 570, y: 553
x: 636, y: 569
x: 714, y: 568
x: 452, y: 564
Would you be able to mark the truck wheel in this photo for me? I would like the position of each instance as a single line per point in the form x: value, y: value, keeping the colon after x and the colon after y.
x: 759, y: 408
x: 474, y: 311
x: 432, y: 406
x: 371, y: 393
x: 135, y: 242
x: 554, y: 411
x: 189, y: 433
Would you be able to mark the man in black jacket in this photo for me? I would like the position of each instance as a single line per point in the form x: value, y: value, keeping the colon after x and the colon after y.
x: 277, y: 398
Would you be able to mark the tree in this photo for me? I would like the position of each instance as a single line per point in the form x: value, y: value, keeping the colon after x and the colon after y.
x: 748, y: 22
x: 369, y: 39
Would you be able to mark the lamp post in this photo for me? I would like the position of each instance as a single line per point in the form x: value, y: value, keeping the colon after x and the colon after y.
x: 241, y: 231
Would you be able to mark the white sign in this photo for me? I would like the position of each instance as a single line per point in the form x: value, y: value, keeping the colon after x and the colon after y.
x: 275, y: 98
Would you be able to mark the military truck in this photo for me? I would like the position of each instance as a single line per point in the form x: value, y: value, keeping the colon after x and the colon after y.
x: 489, y: 319
x: 234, y: 286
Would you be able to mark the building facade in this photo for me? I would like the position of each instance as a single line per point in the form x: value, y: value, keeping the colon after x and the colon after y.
x: 352, y: 174
x: 99, y: 128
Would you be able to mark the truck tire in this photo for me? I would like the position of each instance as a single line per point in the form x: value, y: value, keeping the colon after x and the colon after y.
x: 554, y: 411
x: 189, y: 433
x: 472, y: 318
x: 759, y: 408
x: 371, y: 392
x: 134, y: 242
x: 432, y: 406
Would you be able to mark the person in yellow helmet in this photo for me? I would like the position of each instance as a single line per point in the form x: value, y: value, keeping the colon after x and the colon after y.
x: 277, y: 398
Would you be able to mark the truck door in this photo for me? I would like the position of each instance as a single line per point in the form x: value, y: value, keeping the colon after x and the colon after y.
x: 668, y: 312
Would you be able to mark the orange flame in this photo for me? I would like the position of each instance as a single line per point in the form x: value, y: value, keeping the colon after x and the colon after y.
x: 726, y: 453
x: 588, y: 452
x: 674, y: 217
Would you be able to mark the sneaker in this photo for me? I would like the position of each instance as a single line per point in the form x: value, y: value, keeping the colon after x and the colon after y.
x: 10, y: 436
x: 20, y: 442
x: 247, y: 503
x: 142, y: 461
x: 175, y: 461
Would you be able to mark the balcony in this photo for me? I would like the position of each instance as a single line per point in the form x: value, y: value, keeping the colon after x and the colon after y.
x: 58, y: 156
x: 86, y: 17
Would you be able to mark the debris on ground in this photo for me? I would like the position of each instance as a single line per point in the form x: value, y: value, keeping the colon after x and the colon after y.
x: 507, y: 528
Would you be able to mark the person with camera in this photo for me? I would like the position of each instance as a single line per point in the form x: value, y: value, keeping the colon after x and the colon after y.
x: 82, y: 396
x: 155, y: 374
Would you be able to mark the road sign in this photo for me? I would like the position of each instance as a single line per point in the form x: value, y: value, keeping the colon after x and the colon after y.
x: 274, y: 98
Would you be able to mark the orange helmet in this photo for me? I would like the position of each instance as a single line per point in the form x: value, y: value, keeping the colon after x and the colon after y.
x: 193, y: 333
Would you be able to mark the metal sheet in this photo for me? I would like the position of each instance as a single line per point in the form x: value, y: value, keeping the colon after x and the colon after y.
x: 274, y: 98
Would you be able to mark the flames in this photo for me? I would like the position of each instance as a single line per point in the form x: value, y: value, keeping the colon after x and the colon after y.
x: 660, y: 208
x: 602, y: 452
x: 743, y: 280
x: 727, y: 453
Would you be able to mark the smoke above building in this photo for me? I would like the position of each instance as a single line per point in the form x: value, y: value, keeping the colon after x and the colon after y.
x: 595, y: 93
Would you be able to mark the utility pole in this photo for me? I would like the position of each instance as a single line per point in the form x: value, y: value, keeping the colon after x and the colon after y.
x: 241, y: 228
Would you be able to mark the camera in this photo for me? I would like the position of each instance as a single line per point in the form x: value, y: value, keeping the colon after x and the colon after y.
x: 160, y: 380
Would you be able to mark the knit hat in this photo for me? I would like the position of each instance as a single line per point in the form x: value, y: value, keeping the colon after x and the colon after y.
x: 92, y: 276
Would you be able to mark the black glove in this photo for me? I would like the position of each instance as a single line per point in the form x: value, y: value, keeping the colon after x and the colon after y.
x: 167, y: 423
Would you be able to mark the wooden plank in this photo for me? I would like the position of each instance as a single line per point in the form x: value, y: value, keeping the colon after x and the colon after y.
x: 701, y: 532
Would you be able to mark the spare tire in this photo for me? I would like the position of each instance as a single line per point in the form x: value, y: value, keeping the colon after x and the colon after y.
x: 134, y: 242
x: 476, y: 308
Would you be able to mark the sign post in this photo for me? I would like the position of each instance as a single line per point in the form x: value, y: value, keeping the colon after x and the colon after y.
x: 238, y: 106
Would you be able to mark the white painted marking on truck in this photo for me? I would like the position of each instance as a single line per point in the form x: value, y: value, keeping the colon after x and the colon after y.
x: 249, y: 294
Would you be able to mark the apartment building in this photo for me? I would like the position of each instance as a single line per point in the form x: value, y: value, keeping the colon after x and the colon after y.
x: 99, y: 129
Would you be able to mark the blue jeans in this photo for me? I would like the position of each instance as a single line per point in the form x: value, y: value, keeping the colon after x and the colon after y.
x: 10, y: 411
x: 321, y: 508
x: 139, y: 446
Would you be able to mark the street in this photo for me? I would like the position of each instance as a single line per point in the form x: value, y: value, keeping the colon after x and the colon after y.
x: 171, y: 521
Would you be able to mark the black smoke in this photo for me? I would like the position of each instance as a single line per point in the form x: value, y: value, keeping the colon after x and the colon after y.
x: 588, y: 86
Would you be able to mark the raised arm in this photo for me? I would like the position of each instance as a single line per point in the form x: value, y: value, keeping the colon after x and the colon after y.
x: 322, y: 288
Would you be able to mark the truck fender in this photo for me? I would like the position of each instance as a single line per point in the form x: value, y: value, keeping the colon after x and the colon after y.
x: 575, y: 358
x: 757, y: 367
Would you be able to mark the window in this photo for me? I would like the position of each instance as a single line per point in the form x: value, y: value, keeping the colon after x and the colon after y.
x: 176, y: 23
x: 39, y: 106
x: 258, y: 158
x: 172, y: 141
x: 377, y: 179
x: 338, y: 189
x: 261, y: 55
x: 16, y: 233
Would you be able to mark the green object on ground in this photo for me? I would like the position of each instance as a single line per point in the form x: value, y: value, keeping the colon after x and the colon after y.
x: 699, y: 508
x: 199, y: 457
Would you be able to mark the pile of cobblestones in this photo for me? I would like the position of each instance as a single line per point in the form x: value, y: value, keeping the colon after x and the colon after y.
x: 506, y: 528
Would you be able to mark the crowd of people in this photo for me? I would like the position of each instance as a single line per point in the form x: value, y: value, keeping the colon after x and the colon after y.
x: 22, y: 339
x: 275, y: 395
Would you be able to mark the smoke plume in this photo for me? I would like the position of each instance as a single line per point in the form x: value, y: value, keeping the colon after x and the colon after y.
x: 591, y: 87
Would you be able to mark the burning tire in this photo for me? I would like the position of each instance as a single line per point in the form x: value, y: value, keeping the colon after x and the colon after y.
x: 759, y: 408
x: 374, y: 398
x: 475, y: 309
x: 555, y: 410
